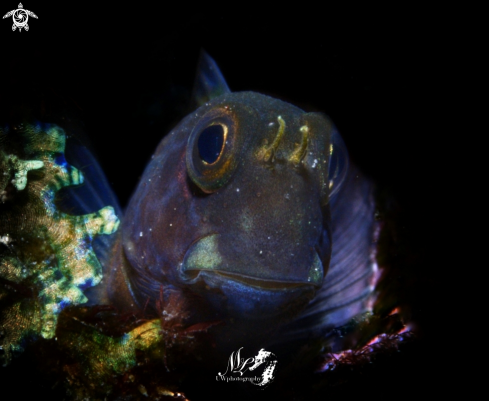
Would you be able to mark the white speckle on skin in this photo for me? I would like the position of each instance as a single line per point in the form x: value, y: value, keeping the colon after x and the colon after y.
x: 170, y: 224
x: 237, y: 189
x: 314, y: 163
x: 141, y: 234
x: 271, y: 124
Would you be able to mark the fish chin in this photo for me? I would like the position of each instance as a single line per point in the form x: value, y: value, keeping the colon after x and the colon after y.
x: 234, y: 286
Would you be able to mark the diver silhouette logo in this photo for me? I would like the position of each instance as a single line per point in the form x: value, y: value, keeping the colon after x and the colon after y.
x: 20, y: 17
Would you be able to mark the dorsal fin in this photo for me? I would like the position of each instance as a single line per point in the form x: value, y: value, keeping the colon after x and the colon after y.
x: 209, y: 81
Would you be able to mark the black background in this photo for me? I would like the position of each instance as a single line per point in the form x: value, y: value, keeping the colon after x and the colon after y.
x: 127, y: 72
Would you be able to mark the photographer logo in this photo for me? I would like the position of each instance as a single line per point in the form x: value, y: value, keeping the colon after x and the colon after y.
x: 20, y: 16
x: 238, y: 366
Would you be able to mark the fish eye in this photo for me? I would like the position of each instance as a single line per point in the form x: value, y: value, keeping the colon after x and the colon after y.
x: 210, y: 143
x: 211, y: 155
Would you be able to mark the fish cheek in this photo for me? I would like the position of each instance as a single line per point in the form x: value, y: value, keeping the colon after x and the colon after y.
x: 171, y: 208
x: 159, y: 219
x: 269, y: 223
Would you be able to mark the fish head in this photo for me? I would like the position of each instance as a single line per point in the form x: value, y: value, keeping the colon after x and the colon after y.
x: 234, y: 207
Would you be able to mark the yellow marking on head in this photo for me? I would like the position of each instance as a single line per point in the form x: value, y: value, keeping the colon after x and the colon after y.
x: 300, y: 152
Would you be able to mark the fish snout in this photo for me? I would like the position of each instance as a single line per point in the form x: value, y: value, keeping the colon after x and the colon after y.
x: 257, y: 265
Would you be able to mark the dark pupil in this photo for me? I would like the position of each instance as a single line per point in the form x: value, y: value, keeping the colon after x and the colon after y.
x: 210, y: 143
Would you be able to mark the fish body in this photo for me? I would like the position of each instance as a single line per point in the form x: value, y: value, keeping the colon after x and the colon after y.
x: 271, y: 226
x: 249, y: 223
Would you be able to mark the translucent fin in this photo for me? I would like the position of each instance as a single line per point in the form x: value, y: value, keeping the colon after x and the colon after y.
x: 94, y: 194
x: 209, y: 81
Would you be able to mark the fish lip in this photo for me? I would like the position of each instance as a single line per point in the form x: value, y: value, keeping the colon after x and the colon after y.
x: 192, y: 274
x: 262, y: 284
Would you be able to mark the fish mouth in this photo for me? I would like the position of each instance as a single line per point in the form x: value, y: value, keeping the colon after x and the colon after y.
x: 204, y: 258
x: 193, y: 275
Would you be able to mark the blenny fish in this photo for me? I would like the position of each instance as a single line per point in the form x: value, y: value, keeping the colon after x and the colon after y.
x: 251, y: 204
x: 249, y: 227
